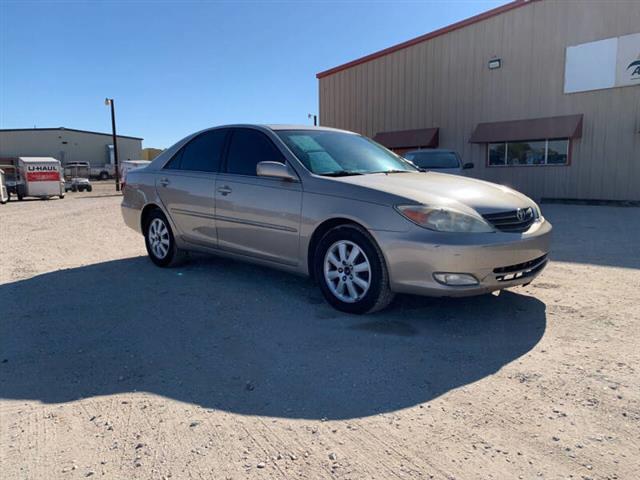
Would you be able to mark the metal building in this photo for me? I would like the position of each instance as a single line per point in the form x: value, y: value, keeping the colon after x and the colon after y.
x: 69, y: 145
x: 541, y: 95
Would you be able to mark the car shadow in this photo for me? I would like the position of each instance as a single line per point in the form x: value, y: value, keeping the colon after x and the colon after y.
x: 246, y: 339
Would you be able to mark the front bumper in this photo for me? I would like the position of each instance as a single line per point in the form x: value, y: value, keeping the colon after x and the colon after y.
x: 497, y: 260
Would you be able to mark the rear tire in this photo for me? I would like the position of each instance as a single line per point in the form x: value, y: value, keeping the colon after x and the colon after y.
x: 351, y: 271
x: 160, y: 242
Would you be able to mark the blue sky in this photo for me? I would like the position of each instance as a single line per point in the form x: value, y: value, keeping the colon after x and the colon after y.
x: 176, y: 67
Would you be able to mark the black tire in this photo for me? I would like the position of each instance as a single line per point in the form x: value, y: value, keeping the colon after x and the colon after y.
x: 174, y: 256
x: 379, y: 295
x: 104, y: 176
x: 89, y: 188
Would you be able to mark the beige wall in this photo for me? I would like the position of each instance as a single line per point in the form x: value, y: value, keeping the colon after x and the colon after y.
x: 150, y: 153
x: 445, y: 82
x: 80, y: 146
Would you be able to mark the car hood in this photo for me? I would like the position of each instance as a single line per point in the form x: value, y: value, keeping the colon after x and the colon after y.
x: 441, y: 189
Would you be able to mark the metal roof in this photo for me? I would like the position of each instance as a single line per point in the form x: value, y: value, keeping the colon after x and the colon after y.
x: 64, y: 129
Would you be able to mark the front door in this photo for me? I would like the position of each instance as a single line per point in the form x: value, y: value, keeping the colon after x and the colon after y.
x: 257, y: 216
x: 186, y: 187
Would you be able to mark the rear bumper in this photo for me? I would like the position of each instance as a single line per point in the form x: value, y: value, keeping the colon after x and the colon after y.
x: 496, y: 260
x: 131, y: 218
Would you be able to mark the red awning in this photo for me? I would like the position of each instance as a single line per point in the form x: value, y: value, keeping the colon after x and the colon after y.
x: 418, y: 138
x: 568, y: 126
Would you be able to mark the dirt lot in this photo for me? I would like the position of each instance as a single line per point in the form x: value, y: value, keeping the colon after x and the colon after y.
x: 113, y: 368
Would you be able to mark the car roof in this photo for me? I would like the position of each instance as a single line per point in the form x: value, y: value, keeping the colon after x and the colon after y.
x: 283, y: 126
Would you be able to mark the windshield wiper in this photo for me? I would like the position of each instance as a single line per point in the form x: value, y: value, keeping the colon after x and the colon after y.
x: 340, y: 173
x: 393, y: 171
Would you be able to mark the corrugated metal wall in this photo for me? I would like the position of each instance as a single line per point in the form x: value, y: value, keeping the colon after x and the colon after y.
x: 445, y: 82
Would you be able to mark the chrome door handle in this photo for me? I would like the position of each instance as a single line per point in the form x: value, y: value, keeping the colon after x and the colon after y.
x: 164, y: 182
x: 225, y: 190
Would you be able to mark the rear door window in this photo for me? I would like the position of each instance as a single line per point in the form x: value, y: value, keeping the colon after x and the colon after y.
x: 204, y: 153
x: 174, y: 163
x: 247, y: 149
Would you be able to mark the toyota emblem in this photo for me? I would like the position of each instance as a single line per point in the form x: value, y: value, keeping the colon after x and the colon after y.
x: 521, y: 214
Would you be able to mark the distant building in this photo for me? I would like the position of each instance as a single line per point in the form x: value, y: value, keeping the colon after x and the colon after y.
x: 69, y: 145
x: 540, y: 95
x: 150, y: 153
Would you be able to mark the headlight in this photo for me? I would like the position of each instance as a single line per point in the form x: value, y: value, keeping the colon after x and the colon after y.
x: 444, y: 219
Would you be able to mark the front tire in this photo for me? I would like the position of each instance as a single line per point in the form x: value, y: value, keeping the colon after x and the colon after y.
x: 351, y: 271
x: 160, y: 242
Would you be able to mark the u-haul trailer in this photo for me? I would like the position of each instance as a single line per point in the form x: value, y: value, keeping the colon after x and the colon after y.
x: 42, y: 177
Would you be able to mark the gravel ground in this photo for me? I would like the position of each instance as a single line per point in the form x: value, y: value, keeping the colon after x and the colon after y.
x: 113, y: 368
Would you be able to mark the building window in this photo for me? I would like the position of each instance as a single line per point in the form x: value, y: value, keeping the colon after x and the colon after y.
x: 528, y: 153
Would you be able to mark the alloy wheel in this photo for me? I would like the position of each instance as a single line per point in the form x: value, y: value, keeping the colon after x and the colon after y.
x: 159, y: 240
x: 347, y: 271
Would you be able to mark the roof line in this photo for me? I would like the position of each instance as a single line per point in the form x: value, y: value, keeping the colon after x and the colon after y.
x: 65, y: 128
x: 428, y: 36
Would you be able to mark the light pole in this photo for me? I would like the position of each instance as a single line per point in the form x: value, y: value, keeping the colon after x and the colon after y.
x: 315, y: 119
x: 109, y: 101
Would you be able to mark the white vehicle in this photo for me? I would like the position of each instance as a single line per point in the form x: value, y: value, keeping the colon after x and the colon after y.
x: 103, y: 172
x: 76, y: 176
x: 129, y: 165
x: 42, y: 177
x: 4, y: 194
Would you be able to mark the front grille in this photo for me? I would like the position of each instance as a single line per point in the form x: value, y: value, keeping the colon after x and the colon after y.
x: 520, y: 266
x: 515, y: 221
x: 520, y: 270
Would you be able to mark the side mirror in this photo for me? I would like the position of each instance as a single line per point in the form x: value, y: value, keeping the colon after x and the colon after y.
x: 467, y: 166
x: 275, y: 170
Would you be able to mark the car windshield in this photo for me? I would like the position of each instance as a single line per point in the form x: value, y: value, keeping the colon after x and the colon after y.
x: 331, y: 153
x: 433, y: 160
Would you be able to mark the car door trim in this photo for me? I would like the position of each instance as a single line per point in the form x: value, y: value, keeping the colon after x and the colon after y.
x: 192, y: 213
x: 270, y: 226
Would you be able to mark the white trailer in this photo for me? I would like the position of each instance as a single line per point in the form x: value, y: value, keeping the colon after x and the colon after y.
x: 129, y: 165
x: 42, y: 177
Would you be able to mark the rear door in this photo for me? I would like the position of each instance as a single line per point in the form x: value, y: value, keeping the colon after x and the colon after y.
x: 257, y: 216
x: 186, y: 187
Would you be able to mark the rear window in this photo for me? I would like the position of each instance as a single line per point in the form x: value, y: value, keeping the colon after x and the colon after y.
x: 433, y: 160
